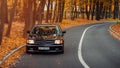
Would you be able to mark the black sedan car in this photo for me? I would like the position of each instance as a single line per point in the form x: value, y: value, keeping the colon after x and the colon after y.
x: 45, y: 38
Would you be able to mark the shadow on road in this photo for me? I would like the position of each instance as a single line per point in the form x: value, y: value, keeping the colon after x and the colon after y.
x: 42, y: 53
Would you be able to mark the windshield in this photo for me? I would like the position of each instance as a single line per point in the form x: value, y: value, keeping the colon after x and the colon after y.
x: 46, y: 31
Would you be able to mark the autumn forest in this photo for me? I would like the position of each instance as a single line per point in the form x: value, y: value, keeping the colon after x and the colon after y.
x: 33, y: 12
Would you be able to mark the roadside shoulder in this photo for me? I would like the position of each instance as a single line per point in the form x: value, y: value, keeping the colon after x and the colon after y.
x: 114, y: 31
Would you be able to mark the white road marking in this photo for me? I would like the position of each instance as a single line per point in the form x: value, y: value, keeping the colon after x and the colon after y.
x: 80, y: 48
x: 12, y: 52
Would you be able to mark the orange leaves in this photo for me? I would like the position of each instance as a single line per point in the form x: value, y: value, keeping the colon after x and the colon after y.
x: 8, y: 45
x: 116, y: 27
x: 12, y: 58
x: 66, y: 23
x: 11, y: 43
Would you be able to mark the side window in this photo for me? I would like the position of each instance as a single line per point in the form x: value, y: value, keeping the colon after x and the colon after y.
x: 35, y: 30
x: 59, y: 30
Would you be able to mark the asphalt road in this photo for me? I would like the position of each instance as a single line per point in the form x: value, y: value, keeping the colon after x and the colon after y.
x: 99, y: 50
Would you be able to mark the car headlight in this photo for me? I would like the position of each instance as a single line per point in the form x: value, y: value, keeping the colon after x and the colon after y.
x: 58, y: 42
x: 30, y: 42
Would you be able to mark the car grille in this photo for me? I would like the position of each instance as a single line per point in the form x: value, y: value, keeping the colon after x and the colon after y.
x: 43, y: 42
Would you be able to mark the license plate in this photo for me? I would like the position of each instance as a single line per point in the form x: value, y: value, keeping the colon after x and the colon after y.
x: 43, y: 48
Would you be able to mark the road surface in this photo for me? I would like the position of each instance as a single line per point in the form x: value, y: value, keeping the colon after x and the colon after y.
x: 99, y: 50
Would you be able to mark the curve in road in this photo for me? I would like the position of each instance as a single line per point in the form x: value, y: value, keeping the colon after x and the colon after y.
x: 99, y: 50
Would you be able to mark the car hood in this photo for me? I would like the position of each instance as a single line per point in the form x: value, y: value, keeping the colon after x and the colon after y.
x: 46, y: 39
x: 51, y: 37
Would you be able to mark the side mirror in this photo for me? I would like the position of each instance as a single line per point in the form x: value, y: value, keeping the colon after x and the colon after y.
x: 63, y: 32
x: 28, y: 32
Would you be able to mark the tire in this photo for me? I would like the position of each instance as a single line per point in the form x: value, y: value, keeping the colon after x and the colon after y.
x: 62, y: 52
x: 27, y: 52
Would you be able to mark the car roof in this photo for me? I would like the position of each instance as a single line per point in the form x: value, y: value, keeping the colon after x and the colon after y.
x: 46, y: 25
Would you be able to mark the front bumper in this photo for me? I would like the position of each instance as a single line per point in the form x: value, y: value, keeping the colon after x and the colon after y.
x: 48, y: 48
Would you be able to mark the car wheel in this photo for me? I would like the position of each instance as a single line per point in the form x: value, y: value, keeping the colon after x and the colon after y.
x: 27, y: 52
x: 62, y: 52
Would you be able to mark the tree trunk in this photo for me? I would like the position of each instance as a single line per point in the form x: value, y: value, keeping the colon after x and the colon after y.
x: 101, y: 10
x: 54, y: 12
x: 97, y: 11
x: 62, y: 10
x: 48, y: 9
x: 34, y: 13
x: 104, y: 10
x: 51, y: 11
x: 83, y: 11
x: 25, y: 9
x: 5, y: 11
x: 87, y: 12
x: 72, y: 10
x: 30, y: 15
x: 75, y: 14
x: 12, y: 12
x: 3, y: 18
x: 41, y: 11
x: 0, y: 11
x: 93, y: 9
x: 58, y: 11
x: 116, y: 9
x: 110, y: 9
x: 106, y: 13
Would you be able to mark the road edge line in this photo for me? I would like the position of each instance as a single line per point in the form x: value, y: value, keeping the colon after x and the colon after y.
x: 110, y: 28
x: 9, y: 54
x: 80, y: 47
